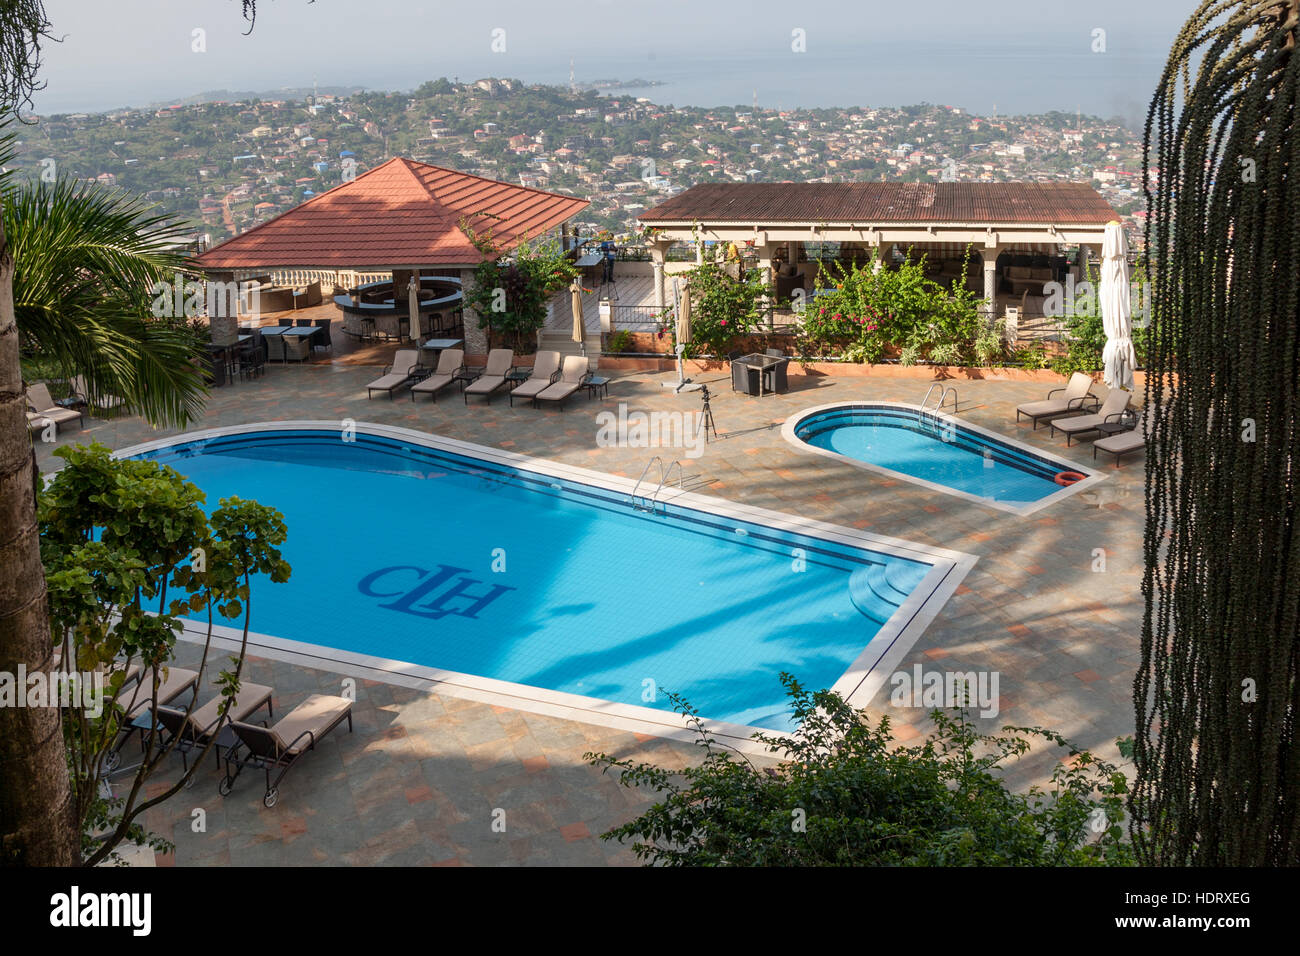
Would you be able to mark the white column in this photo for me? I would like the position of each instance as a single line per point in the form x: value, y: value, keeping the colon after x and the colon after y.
x: 657, y: 264
x: 990, y: 282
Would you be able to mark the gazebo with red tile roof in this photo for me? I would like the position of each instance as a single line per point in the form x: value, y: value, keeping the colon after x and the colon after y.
x: 401, y: 217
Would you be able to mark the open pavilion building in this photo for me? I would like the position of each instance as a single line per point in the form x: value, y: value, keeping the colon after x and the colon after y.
x: 398, y: 220
x: 1018, y: 232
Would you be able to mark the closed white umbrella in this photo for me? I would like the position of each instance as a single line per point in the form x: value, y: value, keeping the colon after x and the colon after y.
x: 1118, y: 357
x: 413, y: 303
x: 683, y: 384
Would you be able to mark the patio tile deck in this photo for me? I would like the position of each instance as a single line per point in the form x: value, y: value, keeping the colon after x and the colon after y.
x: 419, y: 779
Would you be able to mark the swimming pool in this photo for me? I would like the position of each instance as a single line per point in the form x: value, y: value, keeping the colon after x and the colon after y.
x: 937, y: 451
x: 539, y: 583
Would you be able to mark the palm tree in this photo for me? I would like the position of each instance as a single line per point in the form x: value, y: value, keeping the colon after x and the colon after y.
x: 85, y: 259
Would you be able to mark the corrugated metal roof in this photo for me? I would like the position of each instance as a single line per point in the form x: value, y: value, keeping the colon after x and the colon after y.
x: 867, y: 204
x: 399, y: 213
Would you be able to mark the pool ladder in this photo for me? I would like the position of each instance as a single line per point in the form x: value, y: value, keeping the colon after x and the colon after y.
x: 650, y: 503
x: 944, y: 392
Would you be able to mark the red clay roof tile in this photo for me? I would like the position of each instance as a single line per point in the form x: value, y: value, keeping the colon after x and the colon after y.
x: 401, y: 213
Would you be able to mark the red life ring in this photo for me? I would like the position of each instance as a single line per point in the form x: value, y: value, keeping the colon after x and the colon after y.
x: 1068, y: 477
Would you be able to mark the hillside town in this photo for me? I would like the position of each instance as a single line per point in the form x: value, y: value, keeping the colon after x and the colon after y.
x: 227, y: 166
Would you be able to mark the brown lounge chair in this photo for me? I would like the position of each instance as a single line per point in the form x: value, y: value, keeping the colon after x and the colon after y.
x: 404, y: 370
x: 279, y: 747
x: 39, y: 401
x: 1124, y: 442
x: 1070, y: 399
x: 1111, y: 411
x: 546, y: 366
x: 494, y: 376
x: 195, y: 730
x: 571, y: 378
x: 174, y: 682
x: 450, y: 361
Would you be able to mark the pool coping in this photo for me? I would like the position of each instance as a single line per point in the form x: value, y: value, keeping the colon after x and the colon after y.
x: 1091, y: 475
x: 859, y: 683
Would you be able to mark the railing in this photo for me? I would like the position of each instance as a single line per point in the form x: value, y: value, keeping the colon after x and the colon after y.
x: 650, y: 503
x: 338, y: 279
x: 635, y: 318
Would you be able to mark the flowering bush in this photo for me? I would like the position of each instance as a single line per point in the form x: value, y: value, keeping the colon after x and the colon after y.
x: 723, y: 307
x: 861, y: 311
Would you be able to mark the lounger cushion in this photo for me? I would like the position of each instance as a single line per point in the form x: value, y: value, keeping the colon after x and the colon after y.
x: 1123, y: 442
x: 1048, y: 406
x: 1115, y: 403
x: 432, y: 383
x: 175, y: 681
x: 316, y: 713
x: 249, y: 698
x: 56, y: 415
x: 558, y: 391
x: 485, y: 384
x: 531, y: 387
x: 389, y: 382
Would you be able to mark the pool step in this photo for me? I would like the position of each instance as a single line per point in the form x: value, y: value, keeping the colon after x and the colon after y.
x: 872, y: 594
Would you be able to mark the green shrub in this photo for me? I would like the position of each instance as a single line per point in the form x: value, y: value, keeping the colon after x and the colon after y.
x: 723, y: 307
x: 909, y: 355
x: 620, y: 341
x: 847, y: 794
x: 949, y: 353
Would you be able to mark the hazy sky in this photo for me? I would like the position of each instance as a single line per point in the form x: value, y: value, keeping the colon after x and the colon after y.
x: 1035, y: 54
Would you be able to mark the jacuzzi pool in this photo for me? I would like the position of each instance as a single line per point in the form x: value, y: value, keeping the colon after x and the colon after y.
x: 419, y: 555
x: 938, y: 451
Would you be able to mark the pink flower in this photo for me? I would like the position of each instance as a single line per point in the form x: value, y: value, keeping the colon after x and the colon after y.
x: 724, y: 322
x: 837, y: 317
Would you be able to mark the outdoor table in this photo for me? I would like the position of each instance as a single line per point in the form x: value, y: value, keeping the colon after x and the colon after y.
x: 596, y: 384
x: 437, y: 345
x: 1125, y: 424
x: 517, y: 375
x: 224, y: 354
x: 466, y: 375
x: 759, y: 362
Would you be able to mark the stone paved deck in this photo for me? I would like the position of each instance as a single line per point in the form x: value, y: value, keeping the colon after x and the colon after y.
x: 420, y: 778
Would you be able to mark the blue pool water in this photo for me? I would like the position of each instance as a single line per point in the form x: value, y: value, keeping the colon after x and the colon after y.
x: 393, y: 548
x: 940, y: 451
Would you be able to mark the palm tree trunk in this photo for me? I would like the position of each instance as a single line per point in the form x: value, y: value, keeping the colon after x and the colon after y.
x: 36, y: 818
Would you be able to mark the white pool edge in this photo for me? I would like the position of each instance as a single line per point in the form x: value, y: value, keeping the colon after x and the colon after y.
x: 858, y: 684
x: 1091, y: 475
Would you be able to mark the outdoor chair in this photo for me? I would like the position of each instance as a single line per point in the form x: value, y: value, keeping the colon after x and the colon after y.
x: 196, y: 729
x: 297, y: 348
x: 274, y: 347
x: 1111, y: 411
x: 174, y: 682
x: 499, y: 363
x: 304, y: 323
x: 1060, y: 401
x: 546, y: 368
x: 39, y: 401
x: 104, y: 402
x: 774, y: 376
x: 775, y: 353
x: 572, y: 376
x: 321, y: 340
x: 404, y: 370
x: 279, y: 748
x: 285, y: 322
x: 1122, y: 443
x: 450, y: 361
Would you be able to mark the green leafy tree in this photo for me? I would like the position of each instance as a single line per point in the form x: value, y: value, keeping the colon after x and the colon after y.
x: 129, y: 552
x: 844, y: 794
x: 724, y: 307
x: 510, y: 292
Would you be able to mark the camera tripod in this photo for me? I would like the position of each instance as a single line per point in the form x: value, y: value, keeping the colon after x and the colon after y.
x: 706, y: 416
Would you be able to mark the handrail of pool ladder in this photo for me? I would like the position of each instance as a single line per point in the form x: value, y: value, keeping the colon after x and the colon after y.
x: 944, y: 392
x: 632, y: 497
x: 654, y: 500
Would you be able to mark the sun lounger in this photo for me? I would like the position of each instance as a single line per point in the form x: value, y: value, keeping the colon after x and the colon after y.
x: 1073, y: 398
x: 194, y: 731
x: 546, y: 366
x: 403, y: 371
x: 39, y: 401
x: 1124, y: 442
x: 105, y: 401
x: 138, y: 702
x: 493, y: 377
x: 1110, y: 411
x: 278, y: 748
x: 571, y: 377
x: 450, y: 361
